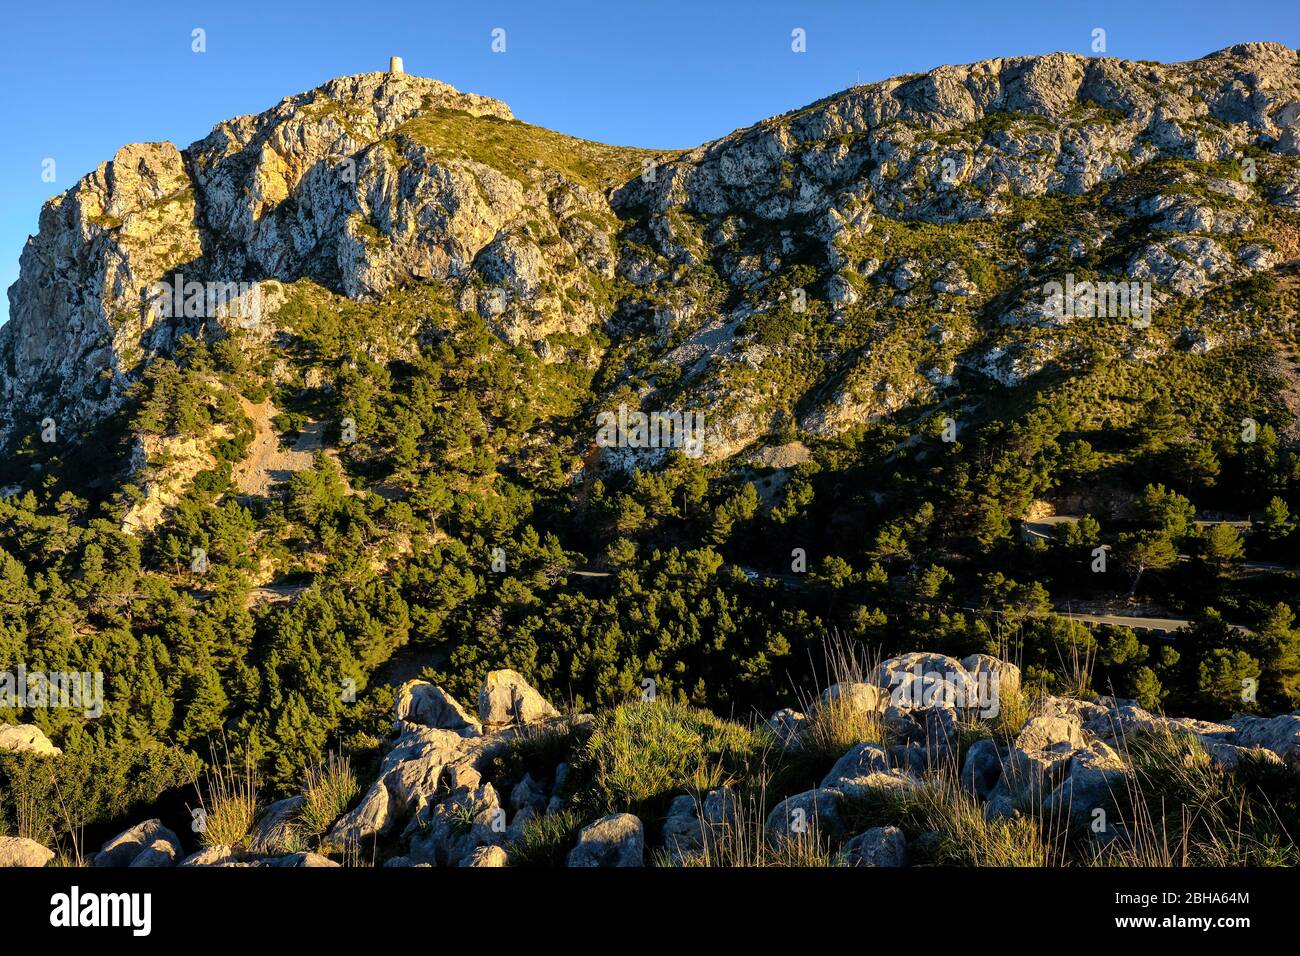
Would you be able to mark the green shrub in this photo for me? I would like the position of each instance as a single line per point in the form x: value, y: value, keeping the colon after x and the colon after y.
x: 641, y: 755
x: 546, y: 840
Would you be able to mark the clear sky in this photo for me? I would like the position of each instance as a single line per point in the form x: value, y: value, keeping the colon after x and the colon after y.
x: 82, y: 78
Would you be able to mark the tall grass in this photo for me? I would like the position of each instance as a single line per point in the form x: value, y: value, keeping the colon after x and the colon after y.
x: 1181, y: 810
x: 43, y: 815
x: 228, y: 796
x: 744, y: 841
x: 955, y: 833
x: 326, y: 792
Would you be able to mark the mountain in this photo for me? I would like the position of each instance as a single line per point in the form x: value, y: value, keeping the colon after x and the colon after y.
x: 375, y: 181
x: 382, y: 392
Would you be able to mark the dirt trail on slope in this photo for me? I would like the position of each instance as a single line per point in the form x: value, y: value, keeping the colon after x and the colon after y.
x: 267, y: 463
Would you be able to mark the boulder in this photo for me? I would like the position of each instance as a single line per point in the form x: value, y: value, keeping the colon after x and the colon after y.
x: 982, y: 768
x: 1050, y: 734
x: 558, y: 796
x: 919, y: 680
x: 1071, y: 707
x: 1207, y: 730
x: 615, y: 840
x: 912, y: 759
x: 506, y: 698
x: 20, y: 851
x: 368, y: 819
x: 1000, y: 804
x: 27, y: 738
x: 211, y: 856
x: 879, y: 846
x: 902, y: 727
x: 786, y: 725
x: 420, y: 702
x: 1095, y: 778
x: 860, y: 760
x: 276, y: 830
x: 486, y: 856
x: 1032, y: 774
x: 854, y: 695
x: 1040, y: 757
x: 719, y: 809
x: 683, y: 832
x: 941, y: 734
x: 813, y: 812
x: 690, y: 825
x: 874, y: 784
x: 127, y: 845
x: 421, y: 763
x: 1116, y: 723
x: 993, y: 678
x: 520, y: 820
x: 157, y: 853
x: 1230, y: 756
x: 297, y: 860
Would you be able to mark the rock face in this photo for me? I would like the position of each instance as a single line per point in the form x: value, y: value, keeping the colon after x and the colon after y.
x: 27, y: 738
x: 337, y: 184
x: 425, y: 704
x: 506, y: 698
x: 20, y: 851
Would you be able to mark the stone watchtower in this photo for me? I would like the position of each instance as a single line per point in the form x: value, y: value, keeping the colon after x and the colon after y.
x: 395, y: 65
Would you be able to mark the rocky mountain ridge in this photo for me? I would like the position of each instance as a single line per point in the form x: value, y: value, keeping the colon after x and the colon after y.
x: 376, y: 181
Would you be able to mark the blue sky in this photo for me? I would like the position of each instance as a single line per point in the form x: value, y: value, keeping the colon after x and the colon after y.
x: 83, y: 78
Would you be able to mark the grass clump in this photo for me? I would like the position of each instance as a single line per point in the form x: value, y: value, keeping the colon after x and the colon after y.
x: 546, y: 840
x: 229, y: 802
x: 328, y: 790
x: 642, y: 754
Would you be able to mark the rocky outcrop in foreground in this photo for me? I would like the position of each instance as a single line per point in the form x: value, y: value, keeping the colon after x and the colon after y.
x: 441, y: 799
x: 1068, y: 758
